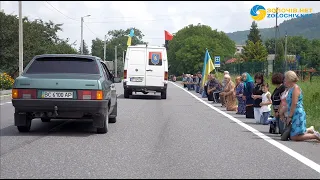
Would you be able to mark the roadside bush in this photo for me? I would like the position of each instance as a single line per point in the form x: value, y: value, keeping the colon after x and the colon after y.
x: 6, y: 81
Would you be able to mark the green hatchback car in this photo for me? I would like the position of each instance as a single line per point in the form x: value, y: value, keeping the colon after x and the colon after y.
x: 65, y: 86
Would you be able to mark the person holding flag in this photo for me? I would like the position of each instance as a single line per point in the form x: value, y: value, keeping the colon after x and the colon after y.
x: 130, y: 37
x: 208, y: 66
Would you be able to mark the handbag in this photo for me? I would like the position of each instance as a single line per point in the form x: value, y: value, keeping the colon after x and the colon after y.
x: 286, y: 133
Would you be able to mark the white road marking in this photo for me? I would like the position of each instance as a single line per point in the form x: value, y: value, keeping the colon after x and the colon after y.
x: 5, y: 95
x: 280, y: 146
x: 5, y: 103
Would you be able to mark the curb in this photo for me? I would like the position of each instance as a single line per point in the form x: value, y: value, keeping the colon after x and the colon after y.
x: 5, y: 92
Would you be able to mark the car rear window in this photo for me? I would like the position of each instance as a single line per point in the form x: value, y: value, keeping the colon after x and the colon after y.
x: 63, y: 65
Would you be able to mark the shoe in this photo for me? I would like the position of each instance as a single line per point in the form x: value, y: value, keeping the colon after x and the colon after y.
x: 312, y: 128
x: 317, y: 134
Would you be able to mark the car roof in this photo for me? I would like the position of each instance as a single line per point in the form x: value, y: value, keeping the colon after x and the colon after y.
x: 68, y: 55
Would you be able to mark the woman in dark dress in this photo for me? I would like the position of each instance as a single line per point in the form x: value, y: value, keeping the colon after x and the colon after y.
x: 277, y: 80
x: 256, y: 95
x: 247, y: 94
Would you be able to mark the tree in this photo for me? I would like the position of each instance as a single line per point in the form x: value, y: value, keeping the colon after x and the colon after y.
x: 117, y: 38
x: 188, y: 46
x: 85, y: 48
x: 39, y: 38
x: 254, y: 52
x: 254, y: 34
x: 97, y: 48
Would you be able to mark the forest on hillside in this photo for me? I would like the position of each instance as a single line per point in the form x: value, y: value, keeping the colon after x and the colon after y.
x: 306, y: 27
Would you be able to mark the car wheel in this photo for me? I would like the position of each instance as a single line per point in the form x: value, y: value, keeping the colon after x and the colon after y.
x: 164, y: 94
x: 127, y: 93
x: 25, y: 128
x: 113, y: 115
x: 105, y: 119
x: 45, y: 119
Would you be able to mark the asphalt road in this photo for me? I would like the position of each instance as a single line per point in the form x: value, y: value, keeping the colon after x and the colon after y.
x: 180, y: 137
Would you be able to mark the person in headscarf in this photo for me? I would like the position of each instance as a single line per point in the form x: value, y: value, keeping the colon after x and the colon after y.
x: 239, y: 94
x: 247, y: 94
x: 223, y: 86
x: 228, y: 94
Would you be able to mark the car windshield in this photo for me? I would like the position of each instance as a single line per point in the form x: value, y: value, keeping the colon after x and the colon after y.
x: 49, y: 65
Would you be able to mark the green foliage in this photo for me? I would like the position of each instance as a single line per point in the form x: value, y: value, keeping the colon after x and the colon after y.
x: 254, y: 34
x: 6, y: 82
x: 254, y: 49
x: 254, y: 52
x: 308, y: 27
x: 85, y: 49
x: 39, y: 37
x: 187, y: 48
x: 309, y: 50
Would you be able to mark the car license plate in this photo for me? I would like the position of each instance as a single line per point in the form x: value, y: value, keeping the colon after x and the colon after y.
x: 136, y: 79
x: 57, y: 95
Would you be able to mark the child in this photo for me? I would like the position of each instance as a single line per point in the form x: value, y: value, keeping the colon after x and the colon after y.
x: 265, y: 104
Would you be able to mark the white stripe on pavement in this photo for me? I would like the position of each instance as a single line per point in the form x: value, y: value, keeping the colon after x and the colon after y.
x: 280, y: 146
x: 5, y: 103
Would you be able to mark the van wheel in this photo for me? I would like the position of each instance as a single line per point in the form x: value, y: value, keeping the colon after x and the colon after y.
x: 164, y: 94
x: 127, y: 93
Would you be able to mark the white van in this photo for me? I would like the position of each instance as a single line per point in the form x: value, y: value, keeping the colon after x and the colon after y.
x: 145, y: 70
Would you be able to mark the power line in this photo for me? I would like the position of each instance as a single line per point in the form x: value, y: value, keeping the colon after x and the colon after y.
x: 91, y: 30
x: 61, y: 12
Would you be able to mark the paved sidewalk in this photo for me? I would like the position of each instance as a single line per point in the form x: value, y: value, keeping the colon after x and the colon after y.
x: 5, y: 94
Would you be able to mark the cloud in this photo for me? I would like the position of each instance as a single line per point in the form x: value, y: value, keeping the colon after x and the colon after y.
x: 151, y: 17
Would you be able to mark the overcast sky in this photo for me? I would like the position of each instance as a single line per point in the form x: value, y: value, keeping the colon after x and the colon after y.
x: 151, y: 17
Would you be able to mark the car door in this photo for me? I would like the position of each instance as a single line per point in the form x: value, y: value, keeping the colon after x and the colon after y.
x: 155, y: 68
x: 112, y: 85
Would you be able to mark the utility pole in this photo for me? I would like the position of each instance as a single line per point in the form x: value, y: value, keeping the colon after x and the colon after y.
x: 285, y: 52
x: 81, y: 44
x: 275, y: 40
x: 105, y: 47
x: 20, y: 39
x: 115, y: 62
x: 123, y: 57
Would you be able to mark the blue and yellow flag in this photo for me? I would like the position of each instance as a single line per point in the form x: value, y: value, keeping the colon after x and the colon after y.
x: 208, y: 66
x: 130, y: 37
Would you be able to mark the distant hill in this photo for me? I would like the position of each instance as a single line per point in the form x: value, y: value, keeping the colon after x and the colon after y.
x: 307, y: 27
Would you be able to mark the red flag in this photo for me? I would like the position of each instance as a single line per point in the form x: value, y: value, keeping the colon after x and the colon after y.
x: 167, y: 36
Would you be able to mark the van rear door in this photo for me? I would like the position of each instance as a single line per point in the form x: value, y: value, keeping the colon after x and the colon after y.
x: 155, y: 67
x: 136, y: 66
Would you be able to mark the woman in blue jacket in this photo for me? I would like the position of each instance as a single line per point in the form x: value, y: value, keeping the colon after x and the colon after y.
x: 247, y: 94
